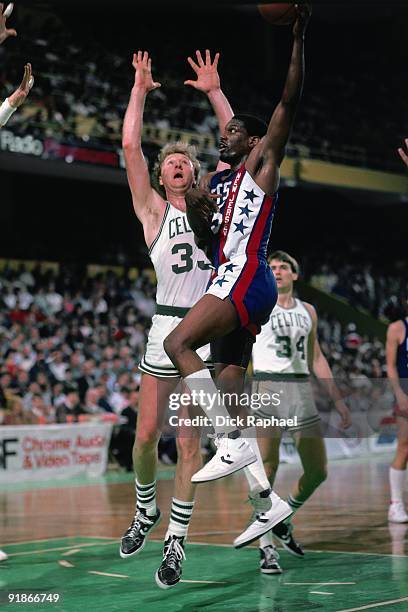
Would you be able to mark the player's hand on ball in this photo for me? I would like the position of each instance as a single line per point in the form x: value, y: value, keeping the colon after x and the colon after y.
x: 344, y: 413
x: 207, y: 74
x: 200, y: 207
x: 304, y: 12
x: 5, y: 32
x: 142, y: 63
x: 403, y: 153
x: 17, y: 98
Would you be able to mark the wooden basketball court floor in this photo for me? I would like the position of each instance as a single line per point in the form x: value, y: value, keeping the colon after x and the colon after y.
x: 63, y: 538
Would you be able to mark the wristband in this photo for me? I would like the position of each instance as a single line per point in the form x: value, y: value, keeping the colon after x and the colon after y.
x: 6, y: 110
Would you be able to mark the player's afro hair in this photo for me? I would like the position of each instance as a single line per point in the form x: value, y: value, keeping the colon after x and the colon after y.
x: 253, y: 125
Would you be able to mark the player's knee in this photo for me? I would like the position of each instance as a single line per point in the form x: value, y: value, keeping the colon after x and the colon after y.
x: 172, y: 345
x: 188, y: 448
x: 146, y: 439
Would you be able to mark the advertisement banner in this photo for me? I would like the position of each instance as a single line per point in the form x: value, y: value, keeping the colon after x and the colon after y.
x: 41, y: 452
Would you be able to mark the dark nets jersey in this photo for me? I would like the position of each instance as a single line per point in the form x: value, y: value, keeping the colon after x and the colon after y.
x: 402, y: 359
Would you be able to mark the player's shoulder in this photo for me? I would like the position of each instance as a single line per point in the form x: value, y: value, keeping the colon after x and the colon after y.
x: 205, y: 181
x: 396, y: 329
x: 310, y: 309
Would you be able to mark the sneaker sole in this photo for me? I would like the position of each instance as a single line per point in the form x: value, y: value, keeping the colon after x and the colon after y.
x: 286, y: 547
x: 272, y: 571
x: 238, y: 466
x: 393, y: 520
x: 161, y: 584
x: 139, y: 550
x: 284, y: 513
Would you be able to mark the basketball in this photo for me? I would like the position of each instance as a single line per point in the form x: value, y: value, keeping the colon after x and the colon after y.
x: 283, y: 13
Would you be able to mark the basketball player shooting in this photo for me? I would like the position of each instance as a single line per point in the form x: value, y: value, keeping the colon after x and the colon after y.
x: 243, y: 291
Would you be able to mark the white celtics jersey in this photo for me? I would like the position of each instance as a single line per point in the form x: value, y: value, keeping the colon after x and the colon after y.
x: 281, y: 347
x: 182, y: 270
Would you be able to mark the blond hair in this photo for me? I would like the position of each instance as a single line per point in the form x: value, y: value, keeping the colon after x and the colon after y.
x: 184, y: 148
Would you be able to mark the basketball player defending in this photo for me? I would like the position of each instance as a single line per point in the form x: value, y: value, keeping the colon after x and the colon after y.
x: 286, y: 351
x: 183, y: 273
x: 397, y: 372
x: 242, y: 293
x: 11, y: 104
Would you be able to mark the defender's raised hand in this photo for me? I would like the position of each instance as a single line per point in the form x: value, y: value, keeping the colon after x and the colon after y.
x: 143, y: 77
x: 17, y: 98
x: 5, y: 32
x: 403, y: 154
x: 304, y: 12
x: 207, y: 74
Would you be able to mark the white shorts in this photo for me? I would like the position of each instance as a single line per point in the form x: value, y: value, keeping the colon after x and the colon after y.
x: 296, y: 401
x: 155, y: 360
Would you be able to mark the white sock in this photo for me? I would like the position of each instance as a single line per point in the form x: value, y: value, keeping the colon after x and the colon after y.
x: 397, y: 481
x: 202, y: 385
x: 266, y: 540
x: 180, y: 516
x: 146, y: 497
x: 255, y: 473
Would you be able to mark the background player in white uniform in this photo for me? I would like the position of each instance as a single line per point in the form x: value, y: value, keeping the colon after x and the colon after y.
x: 287, y: 350
x: 182, y: 275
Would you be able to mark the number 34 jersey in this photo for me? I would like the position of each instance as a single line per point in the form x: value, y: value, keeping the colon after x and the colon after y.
x: 281, y: 347
x: 182, y: 270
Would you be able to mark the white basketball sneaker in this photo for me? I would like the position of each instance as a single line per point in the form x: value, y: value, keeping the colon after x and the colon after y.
x: 268, y: 513
x: 3, y: 555
x: 397, y: 513
x: 232, y: 455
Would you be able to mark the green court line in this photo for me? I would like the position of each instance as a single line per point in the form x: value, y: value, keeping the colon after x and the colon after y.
x: 218, y: 578
x: 165, y: 473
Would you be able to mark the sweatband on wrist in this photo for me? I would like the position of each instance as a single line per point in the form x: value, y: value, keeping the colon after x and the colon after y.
x: 6, y: 110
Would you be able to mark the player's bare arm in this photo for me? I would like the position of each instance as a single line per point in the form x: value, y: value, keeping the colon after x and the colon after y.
x: 4, y: 15
x: 395, y: 335
x: 318, y: 364
x: 208, y: 81
x: 403, y: 153
x: 147, y: 203
x: 266, y: 157
x: 17, y: 98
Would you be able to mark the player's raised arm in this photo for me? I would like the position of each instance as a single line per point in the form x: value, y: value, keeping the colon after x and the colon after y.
x: 4, y: 14
x: 319, y: 365
x: 143, y: 194
x: 281, y: 123
x: 17, y: 98
x: 403, y: 154
x: 208, y: 81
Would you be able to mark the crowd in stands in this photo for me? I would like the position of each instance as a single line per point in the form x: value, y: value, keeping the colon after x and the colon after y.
x: 70, y: 344
x: 82, y: 90
x: 375, y: 290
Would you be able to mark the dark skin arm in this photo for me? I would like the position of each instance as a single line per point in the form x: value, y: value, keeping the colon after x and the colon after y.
x: 265, y: 158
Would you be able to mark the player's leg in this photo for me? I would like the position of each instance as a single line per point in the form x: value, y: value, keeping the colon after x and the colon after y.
x: 397, y: 474
x: 189, y: 461
x: 154, y: 394
x: 209, y: 319
x: 269, y: 444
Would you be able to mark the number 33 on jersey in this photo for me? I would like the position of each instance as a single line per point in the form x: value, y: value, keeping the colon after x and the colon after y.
x: 173, y: 253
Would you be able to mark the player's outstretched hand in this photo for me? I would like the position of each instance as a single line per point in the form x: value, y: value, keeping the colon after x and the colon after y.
x: 200, y: 207
x: 403, y: 153
x: 344, y: 413
x: 142, y: 63
x: 304, y: 12
x: 208, y: 78
x: 5, y: 32
x: 17, y: 98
